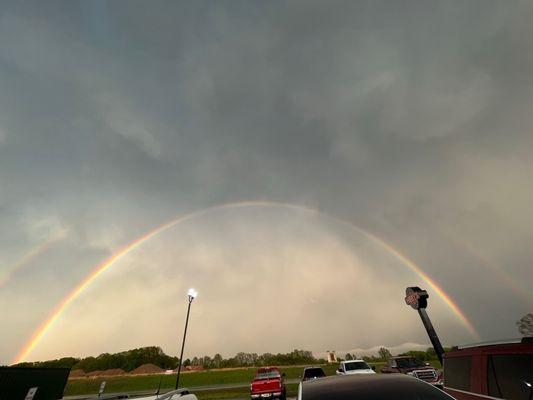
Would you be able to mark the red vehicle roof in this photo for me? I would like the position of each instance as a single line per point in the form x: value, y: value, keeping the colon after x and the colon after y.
x: 524, y: 346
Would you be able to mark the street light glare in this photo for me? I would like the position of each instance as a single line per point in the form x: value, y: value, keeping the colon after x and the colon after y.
x: 192, y: 293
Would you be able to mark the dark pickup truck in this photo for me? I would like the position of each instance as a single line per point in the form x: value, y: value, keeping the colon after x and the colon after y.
x: 411, y: 366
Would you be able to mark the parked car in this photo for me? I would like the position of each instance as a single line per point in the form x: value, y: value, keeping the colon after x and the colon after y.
x: 369, y: 387
x: 312, y: 373
x: 414, y: 367
x: 268, y: 383
x: 353, y: 367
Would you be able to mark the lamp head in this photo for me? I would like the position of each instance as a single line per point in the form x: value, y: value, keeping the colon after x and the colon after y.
x: 192, y: 294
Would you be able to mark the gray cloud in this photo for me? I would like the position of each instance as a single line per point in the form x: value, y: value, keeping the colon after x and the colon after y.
x: 411, y: 120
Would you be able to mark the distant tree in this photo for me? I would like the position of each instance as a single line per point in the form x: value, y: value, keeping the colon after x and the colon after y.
x: 217, y: 361
x: 207, y: 362
x: 187, y: 362
x: 430, y: 354
x: 348, y: 357
x: 417, y: 354
x: 525, y: 325
x: 67, y: 362
x: 384, y: 353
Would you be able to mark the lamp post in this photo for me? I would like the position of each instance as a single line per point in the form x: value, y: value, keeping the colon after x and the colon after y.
x: 191, y: 294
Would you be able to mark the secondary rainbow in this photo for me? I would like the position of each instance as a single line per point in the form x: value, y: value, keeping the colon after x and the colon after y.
x: 101, y: 268
x: 496, y: 269
x: 31, y: 255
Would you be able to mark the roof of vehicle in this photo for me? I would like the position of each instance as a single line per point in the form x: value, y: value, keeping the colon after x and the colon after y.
x: 370, y: 387
x: 265, y: 369
x: 496, y: 343
x: 267, y: 374
x: 511, y: 346
x: 399, y: 357
x: 182, y: 393
x: 349, y: 361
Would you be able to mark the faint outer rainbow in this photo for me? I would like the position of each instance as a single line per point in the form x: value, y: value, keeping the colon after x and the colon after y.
x: 31, y: 255
x: 496, y: 269
x: 62, y: 306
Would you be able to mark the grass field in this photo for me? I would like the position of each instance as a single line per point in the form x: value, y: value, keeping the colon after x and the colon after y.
x: 191, y: 380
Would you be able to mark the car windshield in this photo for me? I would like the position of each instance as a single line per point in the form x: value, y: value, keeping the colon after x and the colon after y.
x: 409, y: 362
x: 273, y: 374
x: 314, y: 373
x: 352, y: 366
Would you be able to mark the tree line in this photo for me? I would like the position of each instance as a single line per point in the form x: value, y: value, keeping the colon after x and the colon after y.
x: 384, y: 354
x: 131, y: 359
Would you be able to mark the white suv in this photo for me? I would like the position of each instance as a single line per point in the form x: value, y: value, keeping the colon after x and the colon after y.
x: 353, y: 367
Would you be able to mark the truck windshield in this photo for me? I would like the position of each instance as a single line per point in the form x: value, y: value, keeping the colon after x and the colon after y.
x: 408, y: 362
x: 268, y: 375
x: 310, y: 373
x: 356, y: 365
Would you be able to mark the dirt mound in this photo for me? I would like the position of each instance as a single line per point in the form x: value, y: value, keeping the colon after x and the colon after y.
x: 147, y: 369
x: 194, y: 368
x: 107, y: 372
x: 113, y: 372
x: 94, y: 373
x: 76, y: 373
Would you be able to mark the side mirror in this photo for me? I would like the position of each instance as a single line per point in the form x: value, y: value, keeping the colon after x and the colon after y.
x: 530, y: 387
x: 373, y: 367
x: 339, y: 370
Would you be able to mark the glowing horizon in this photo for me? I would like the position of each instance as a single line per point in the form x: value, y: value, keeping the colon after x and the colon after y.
x: 57, y: 311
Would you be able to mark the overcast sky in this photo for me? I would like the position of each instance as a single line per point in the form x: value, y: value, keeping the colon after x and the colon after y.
x: 411, y: 120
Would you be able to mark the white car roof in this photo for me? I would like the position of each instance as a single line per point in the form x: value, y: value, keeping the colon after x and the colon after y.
x: 172, y: 395
x: 351, y: 361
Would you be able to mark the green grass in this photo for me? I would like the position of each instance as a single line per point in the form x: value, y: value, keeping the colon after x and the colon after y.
x: 189, y: 379
x: 151, y: 382
x: 193, y: 379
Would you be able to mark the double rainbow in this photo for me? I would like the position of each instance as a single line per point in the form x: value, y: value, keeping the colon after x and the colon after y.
x: 56, y: 313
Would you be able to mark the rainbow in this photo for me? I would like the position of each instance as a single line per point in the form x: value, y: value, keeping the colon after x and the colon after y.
x: 496, y: 269
x: 106, y: 264
x: 31, y: 255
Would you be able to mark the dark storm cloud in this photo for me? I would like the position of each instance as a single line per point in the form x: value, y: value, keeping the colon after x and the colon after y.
x: 412, y: 119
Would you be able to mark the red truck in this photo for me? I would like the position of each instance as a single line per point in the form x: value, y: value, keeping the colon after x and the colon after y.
x: 411, y: 366
x: 267, y: 384
x: 502, y: 370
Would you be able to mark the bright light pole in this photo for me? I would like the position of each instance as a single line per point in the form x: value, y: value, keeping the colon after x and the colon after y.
x: 192, y: 294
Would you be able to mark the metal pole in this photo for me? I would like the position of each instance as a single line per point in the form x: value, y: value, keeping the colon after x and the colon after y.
x: 431, y: 333
x: 183, y: 343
